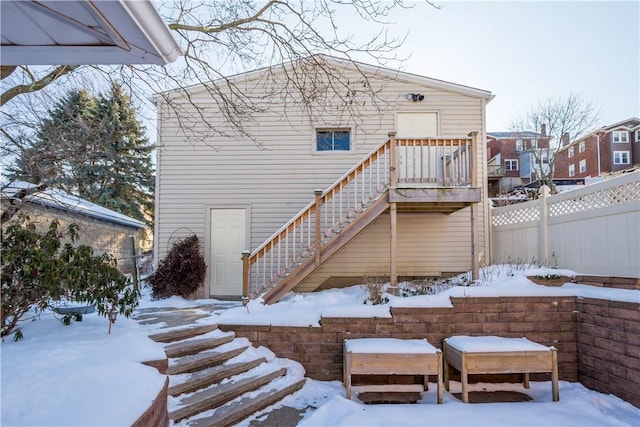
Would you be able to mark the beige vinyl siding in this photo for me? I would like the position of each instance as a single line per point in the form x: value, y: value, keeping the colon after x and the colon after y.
x: 428, y: 245
x: 275, y: 176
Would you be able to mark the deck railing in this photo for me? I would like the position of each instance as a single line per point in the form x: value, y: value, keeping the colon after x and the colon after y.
x: 433, y: 161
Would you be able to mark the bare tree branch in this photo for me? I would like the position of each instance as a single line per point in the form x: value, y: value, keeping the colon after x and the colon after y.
x: 36, y: 85
x: 566, y: 117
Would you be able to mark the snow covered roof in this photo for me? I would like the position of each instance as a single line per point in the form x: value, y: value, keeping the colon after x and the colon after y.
x: 62, y: 200
x: 523, y: 134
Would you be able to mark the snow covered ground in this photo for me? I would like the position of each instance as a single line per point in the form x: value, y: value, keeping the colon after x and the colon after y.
x: 78, y: 375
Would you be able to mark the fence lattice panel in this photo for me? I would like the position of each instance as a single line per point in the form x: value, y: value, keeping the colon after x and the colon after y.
x: 517, y: 216
x: 601, y: 199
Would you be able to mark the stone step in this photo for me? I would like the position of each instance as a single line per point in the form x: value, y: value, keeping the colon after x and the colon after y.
x: 208, y: 377
x: 235, y: 412
x: 183, y: 333
x: 186, y: 348
x: 201, y: 361
x: 218, y: 395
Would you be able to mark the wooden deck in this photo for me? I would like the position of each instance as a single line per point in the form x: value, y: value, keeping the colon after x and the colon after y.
x: 422, y: 175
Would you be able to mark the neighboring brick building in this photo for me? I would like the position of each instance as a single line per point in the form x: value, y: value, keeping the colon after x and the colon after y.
x: 609, y: 149
x: 514, y: 158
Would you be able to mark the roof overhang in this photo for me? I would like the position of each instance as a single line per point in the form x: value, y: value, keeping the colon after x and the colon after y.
x: 84, y: 32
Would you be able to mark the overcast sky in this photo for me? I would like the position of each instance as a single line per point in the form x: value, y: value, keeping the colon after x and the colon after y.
x: 526, y: 51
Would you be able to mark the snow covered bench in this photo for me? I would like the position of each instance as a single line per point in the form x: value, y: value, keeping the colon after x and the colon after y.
x: 391, y: 356
x: 496, y: 355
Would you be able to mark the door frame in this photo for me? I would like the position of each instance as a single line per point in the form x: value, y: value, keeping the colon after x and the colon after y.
x: 417, y: 111
x: 207, y: 234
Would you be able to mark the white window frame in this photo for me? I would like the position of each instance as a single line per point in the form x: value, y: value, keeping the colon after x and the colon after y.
x: 571, y: 152
x: 572, y: 170
x: 638, y: 136
x: 582, y: 147
x: 333, y: 129
x: 622, y: 137
x: 583, y: 165
x: 534, y: 143
x: 618, y: 157
x: 519, y: 146
x: 511, y: 162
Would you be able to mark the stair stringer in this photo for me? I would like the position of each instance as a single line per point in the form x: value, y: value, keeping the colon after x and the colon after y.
x: 327, y: 250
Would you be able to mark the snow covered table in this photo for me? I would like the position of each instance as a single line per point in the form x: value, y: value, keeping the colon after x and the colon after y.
x: 496, y: 355
x: 391, y: 356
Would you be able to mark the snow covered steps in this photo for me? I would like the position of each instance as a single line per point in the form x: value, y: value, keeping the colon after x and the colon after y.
x: 184, y: 333
x: 217, y: 379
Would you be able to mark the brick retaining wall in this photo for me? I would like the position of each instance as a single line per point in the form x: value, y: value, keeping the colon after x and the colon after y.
x: 156, y: 415
x: 546, y: 320
x: 609, y: 347
x: 568, y: 323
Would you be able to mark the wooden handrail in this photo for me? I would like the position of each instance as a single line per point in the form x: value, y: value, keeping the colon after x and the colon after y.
x: 438, y: 160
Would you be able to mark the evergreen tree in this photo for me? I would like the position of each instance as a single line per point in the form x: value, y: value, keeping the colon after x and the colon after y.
x: 94, y: 147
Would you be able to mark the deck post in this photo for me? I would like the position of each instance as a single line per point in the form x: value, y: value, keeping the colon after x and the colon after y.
x: 473, y: 154
x: 393, y: 241
x: 473, y: 151
x: 245, y: 276
x: 393, y: 177
x: 318, y: 194
x: 475, y: 270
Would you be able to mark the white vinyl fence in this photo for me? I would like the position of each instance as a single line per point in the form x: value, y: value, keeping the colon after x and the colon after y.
x: 591, y: 230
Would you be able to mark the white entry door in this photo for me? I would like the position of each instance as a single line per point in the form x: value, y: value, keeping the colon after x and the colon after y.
x: 417, y: 163
x: 228, y: 240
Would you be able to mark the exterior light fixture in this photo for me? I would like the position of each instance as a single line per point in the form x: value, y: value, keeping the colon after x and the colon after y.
x: 113, y: 314
x: 415, y: 97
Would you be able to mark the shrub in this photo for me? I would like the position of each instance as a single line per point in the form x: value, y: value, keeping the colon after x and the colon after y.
x: 376, y: 287
x: 181, y: 271
x: 37, y: 268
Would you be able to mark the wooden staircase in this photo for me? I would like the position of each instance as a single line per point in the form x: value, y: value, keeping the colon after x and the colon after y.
x: 417, y: 175
x: 217, y: 379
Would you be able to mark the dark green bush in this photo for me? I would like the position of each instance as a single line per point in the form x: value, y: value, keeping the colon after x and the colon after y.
x: 181, y: 272
x: 38, y: 269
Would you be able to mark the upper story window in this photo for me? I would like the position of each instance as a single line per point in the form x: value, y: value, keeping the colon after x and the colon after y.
x: 328, y: 140
x: 511, y: 165
x: 570, y: 152
x: 534, y: 143
x: 572, y: 170
x: 620, y: 136
x: 621, y: 158
x: 518, y: 145
x: 581, y: 147
x: 583, y: 165
x: 638, y: 136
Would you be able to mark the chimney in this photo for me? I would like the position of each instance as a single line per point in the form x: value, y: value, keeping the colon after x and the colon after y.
x: 543, y: 129
x: 564, y: 139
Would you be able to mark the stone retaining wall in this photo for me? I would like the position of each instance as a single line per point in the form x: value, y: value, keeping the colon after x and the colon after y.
x: 598, y: 342
x: 157, y: 414
x: 548, y: 321
x: 609, y: 347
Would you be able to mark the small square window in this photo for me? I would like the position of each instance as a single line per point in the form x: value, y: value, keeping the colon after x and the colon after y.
x: 620, y: 136
x: 570, y: 152
x: 511, y: 165
x: 583, y: 166
x: 621, y: 158
x: 333, y: 140
x: 582, y: 147
x: 572, y: 170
